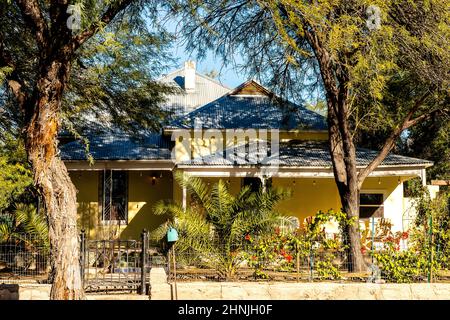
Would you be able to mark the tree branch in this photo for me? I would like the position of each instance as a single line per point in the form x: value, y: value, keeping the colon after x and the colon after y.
x: 390, y: 141
x: 14, y: 82
x: 58, y: 16
x: 33, y: 17
x: 113, y: 9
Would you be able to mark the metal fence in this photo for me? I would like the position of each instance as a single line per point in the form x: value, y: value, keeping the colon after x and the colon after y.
x: 257, y: 261
x: 24, y: 258
x: 115, y: 265
x: 124, y: 265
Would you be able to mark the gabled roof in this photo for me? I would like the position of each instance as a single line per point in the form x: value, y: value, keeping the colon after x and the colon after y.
x: 251, y: 106
x: 119, y: 146
x: 299, y: 154
x: 207, y: 90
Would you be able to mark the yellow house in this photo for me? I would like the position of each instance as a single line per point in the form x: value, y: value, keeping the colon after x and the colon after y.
x: 246, y: 136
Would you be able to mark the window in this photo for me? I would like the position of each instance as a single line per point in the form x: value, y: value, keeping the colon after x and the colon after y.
x: 113, y: 196
x: 371, y: 205
x: 253, y: 183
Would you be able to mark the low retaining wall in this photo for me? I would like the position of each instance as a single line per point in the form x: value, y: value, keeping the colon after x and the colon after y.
x: 255, y: 291
x: 24, y: 291
x: 42, y: 292
x: 303, y: 291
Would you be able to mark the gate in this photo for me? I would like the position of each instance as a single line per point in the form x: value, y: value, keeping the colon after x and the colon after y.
x: 115, y: 265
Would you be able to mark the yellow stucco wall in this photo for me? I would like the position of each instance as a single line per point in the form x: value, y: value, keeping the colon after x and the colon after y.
x: 86, y: 183
x: 142, y: 196
x: 308, y: 196
x: 205, y: 143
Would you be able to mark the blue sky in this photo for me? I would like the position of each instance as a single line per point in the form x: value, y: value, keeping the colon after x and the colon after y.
x: 227, y: 75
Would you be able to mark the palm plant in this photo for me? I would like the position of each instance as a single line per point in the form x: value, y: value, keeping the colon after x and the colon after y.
x: 214, y: 227
x: 26, y: 226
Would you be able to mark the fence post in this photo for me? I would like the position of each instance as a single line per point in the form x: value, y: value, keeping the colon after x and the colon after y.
x: 297, y: 258
x: 82, y: 254
x: 430, y: 241
x: 311, y: 264
x: 144, y: 245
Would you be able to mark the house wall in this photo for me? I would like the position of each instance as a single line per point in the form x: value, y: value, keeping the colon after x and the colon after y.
x: 142, y: 196
x: 307, y: 198
x: 205, y: 143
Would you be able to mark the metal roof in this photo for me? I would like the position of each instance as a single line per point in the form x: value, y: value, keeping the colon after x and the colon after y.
x: 295, y: 154
x: 250, y: 112
x: 119, y: 146
x: 206, y: 90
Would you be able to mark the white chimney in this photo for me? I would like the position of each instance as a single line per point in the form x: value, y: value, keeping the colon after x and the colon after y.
x: 189, y: 76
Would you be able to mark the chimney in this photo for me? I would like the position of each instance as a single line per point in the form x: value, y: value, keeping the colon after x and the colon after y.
x: 189, y: 76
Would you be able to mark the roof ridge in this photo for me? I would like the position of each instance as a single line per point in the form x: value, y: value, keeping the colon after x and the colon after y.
x: 196, y: 73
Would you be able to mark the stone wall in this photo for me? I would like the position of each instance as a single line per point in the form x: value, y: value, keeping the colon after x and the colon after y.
x: 24, y: 291
x: 302, y: 291
x: 161, y: 290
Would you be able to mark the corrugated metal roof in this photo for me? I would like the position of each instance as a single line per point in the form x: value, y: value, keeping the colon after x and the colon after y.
x: 207, y: 90
x: 295, y: 154
x: 256, y: 112
x: 120, y: 146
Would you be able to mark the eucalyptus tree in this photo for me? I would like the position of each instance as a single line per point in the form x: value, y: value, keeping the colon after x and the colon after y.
x: 58, y: 61
x: 353, y: 50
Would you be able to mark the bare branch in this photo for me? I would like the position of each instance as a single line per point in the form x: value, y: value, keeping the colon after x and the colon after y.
x: 13, y: 80
x: 390, y: 141
x: 112, y: 11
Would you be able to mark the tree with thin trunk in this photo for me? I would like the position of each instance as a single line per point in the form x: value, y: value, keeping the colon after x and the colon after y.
x: 352, y: 51
x: 40, y: 45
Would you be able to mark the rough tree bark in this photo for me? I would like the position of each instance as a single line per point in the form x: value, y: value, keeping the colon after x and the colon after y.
x: 342, y: 148
x: 53, y: 181
x: 41, y: 111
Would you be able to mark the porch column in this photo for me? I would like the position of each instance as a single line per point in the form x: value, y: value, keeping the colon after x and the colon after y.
x: 184, y: 202
x: 263, y: 179
x: 423, y: 176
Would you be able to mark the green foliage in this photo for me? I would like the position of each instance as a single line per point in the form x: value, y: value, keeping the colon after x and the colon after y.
x: 280, y: 251
x: 428, y: 249
x: 112, y: 78
x: 114, y: 75
x: 14, y: 180
x: 15, y: 175
x: 26, y: 226
x: 431, y: 140
x: 403, y: 266
x: 212, y: 229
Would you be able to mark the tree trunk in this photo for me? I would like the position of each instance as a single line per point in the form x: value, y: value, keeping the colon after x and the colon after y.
x: 52, y: 180
x: 349, y: 201
x: 343, y: 157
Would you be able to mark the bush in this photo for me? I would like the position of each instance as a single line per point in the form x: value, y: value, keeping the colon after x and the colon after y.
x: 428, y: 249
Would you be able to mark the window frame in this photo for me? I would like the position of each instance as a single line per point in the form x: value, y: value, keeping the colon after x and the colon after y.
x: 381, y: 206
x: 101, y: 197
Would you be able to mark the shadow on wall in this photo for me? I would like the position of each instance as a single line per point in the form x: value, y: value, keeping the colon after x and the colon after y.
x: 145, y: 189
x: 142, y: 219
x: 88, y: 217
x: 9, y: 292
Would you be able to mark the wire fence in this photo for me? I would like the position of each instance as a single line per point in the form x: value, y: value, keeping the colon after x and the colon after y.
x: 125, y: 265
x: 290, y: 258
x: 24, y: 258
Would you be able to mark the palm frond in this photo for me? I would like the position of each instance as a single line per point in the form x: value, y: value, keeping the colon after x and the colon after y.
x: 214, y: 234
